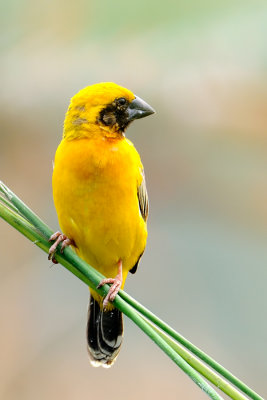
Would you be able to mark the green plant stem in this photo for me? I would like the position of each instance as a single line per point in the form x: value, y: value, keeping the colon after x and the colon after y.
x: 14, y: 211
x: 201, y: 367
x: 25, y: 211
x: 32, y: 234
x: 190, y: 346
x: 167, y: 348
x: 7, y: 203
x: 82, y: 271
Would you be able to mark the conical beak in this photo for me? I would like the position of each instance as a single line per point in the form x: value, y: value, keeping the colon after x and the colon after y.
x: 138, y: 108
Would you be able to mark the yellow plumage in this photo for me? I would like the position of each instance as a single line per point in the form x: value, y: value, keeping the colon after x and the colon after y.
x: 96, y: 178
x: 99, y: 209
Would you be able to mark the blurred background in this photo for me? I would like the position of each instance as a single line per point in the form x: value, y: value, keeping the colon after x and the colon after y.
x: 203, y: 66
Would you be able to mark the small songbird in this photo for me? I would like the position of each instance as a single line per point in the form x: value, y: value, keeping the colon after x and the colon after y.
x: 101, y: 200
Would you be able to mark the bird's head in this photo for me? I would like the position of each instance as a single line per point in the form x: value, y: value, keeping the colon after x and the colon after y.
x: 103, y: 108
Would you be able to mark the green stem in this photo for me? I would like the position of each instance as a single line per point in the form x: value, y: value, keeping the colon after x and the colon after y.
x: 83, y: 272
x: 10, y: 212
x: 25, y: 211
x: 201, y: 367
x: 166, y: 347
x: 32, y: 234
x: 190, y: 346
x: 7, y: 203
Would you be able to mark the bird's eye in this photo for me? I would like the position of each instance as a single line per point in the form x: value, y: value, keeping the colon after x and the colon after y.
x: 121, y: 101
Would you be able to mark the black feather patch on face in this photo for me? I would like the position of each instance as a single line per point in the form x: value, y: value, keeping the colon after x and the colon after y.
x: 115, y: 114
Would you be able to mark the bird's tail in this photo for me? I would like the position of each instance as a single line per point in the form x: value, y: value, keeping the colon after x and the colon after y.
x: 104, y: 334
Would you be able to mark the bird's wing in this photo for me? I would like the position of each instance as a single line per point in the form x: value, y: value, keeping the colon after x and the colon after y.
x: 143, y: 207
x: 143, y: 198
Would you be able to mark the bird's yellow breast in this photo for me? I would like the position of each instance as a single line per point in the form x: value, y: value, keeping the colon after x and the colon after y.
x: 95, y: 183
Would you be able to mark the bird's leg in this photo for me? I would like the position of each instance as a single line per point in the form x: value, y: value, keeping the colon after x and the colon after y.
x: 59, y: 238
x: 115, y: 285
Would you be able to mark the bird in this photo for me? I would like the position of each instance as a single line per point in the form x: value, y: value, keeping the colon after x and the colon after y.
x: 101, y: 200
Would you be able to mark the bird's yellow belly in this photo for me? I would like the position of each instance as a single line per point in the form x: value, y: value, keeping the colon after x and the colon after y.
x: 96, y: 200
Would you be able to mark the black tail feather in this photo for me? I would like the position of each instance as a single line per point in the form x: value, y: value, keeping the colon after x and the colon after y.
x: 104, y: 334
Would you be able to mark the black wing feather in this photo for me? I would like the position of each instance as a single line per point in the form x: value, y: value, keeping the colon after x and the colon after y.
x: 143, y: 198
x: 143, y: 206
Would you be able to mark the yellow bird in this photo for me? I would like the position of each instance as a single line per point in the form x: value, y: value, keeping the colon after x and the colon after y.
x: 101, y: 200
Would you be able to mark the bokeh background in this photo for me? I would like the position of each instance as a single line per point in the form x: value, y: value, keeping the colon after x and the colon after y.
x: 202, y: 66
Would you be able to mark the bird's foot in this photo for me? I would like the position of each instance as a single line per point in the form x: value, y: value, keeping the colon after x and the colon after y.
x: 115, y: 286
x: 59, y: 238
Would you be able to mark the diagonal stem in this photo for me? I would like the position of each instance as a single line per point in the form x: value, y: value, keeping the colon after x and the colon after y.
x: 87, y: 274
x: 21, y: 217
x: 190, y: 346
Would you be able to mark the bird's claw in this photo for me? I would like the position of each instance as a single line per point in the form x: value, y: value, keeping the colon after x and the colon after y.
x: 59, y: 238
x: 114, y: 288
